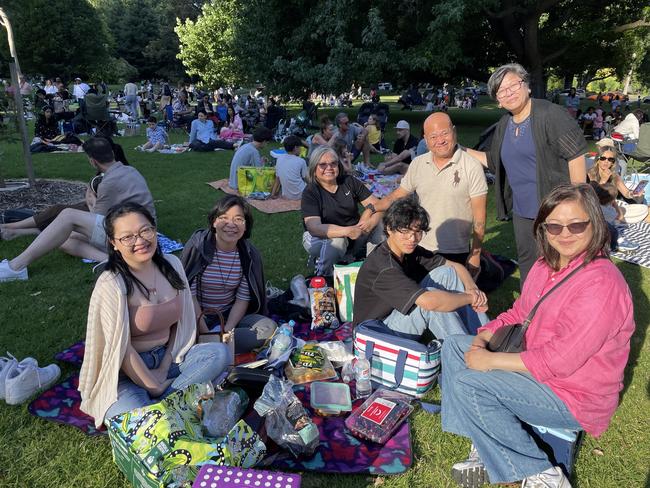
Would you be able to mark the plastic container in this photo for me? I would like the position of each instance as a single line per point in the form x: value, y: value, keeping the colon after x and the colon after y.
x: 309, y: 364
x: 330, y: 398
x: 337, y: 352
x: 380, y: 415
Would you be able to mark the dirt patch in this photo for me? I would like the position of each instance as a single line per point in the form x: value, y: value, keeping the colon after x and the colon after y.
x: 44, y: 194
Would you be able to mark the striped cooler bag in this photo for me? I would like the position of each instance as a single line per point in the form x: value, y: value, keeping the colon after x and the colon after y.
x: 397, y: 363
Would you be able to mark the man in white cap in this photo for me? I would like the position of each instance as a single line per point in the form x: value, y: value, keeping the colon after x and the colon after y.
x: 79, y: 90
x: 403, y: 151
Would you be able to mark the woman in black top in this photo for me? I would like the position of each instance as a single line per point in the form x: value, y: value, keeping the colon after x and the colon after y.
x: 330, y: 209
x: 46, y: 126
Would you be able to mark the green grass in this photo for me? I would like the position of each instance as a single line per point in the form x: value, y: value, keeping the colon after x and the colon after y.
x: 46, y: 314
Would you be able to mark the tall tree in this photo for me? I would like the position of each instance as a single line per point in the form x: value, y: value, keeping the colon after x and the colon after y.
x: 45, y: 42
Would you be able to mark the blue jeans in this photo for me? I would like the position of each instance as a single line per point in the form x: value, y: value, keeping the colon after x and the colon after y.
x: 202, y: 363
x: 462, y: 321
x: 489, y: 408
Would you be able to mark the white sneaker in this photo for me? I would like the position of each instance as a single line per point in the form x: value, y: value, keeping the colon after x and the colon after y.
x: 6, y: 363
x: 551, y: 478
x: 22, y: 383
x: 471, y: 472
x: 8, y: 274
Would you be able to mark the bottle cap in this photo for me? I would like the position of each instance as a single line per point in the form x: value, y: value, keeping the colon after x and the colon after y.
x: 317, y: 282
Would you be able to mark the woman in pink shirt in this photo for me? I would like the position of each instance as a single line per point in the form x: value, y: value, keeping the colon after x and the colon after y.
x: 571, y: 372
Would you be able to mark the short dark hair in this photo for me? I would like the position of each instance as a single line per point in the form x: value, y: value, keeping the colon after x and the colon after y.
x: 262, y: 134
x: 99, y: 149
x: 325, y: 122
x: 225, y: 204
x: 152, y: 119
x: 291, y: 142
x: 404, y: 212
x: 201, y: 111
x: 340, y: 116
x: 585, y: 195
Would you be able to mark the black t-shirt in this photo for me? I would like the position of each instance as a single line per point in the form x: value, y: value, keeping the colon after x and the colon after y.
x: 384, y: 284
x: 338, y: 208
x: 400, y: 146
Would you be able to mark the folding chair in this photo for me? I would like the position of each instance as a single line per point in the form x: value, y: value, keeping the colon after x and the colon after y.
x: 638, y: 155
x: 169, y: 119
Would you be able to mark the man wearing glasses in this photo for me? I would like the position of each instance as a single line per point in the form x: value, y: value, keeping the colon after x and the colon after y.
x: 78, y: 232
x: 412, y: 289
x: 452, y: 189
x: 354, y: 135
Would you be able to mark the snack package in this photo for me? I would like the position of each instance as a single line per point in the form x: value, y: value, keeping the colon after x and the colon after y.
x: 380, y: 415
x: 337, y: 352
x: 323, y: 304
x: 223, y: 411
x: 286, y: 420
x: 309, y: 363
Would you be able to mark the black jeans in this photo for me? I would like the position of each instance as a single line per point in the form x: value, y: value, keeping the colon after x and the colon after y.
x: 526, y: 245
x: 210, y: 146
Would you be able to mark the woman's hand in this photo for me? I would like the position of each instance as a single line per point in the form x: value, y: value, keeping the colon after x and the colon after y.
x: 479, y: 300
x: 478, y: 358
x: 605, y: 175
x: 160, y: 389
x: 160, y: 373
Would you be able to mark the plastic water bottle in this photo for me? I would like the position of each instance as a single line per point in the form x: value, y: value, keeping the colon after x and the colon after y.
x: 287, y: 328
x: 347, y: 372
x: 362, y: 377
x: 280, y: 343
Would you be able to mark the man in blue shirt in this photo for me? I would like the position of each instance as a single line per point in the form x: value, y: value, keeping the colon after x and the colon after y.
x: 202, y: 135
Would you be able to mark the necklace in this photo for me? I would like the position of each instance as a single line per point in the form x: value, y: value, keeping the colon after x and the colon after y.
x: 518, y: 129
x: 224, y: 277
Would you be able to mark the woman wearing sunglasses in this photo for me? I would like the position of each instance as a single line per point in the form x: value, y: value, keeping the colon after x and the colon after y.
x: 536, y: 146
x: 571, y: 370
x: 330, y: 211
x: 604, y: 172
x: 141, y: 331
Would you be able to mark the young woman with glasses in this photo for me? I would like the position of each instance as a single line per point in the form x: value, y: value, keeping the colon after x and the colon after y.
x: 141, y: 331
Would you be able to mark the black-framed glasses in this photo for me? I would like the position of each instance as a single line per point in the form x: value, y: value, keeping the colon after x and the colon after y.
x: 574, y: 227
x: 410, y: 233
x: 508, y: 90
x: 147, y: 233
x: 603, y: 158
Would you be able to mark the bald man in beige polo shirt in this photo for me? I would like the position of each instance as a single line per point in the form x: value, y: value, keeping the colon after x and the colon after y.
x: 452, y: 188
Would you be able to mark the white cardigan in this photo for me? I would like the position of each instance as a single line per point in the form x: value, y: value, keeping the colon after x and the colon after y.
x: 108, y: 335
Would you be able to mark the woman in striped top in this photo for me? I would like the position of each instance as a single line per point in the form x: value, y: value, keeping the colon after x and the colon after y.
x: 225, y: 274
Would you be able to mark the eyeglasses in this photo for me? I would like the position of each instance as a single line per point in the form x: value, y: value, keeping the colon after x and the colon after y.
x: 574, y: 227
x: 603, y: 158
x: 441, y: 134
x: 344, y: 122
x: 222, y: 219
x: 324, y: 166
x: 148, y: 233
x: 410, y: 233
x: 509, y: 90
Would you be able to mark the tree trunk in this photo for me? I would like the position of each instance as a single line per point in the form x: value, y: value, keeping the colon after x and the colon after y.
x: 628, y: 80
x: 568, y: 80
x: 533, y: 57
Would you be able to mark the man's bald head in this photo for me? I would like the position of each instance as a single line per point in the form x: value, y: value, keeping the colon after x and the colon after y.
x: 440, y: 135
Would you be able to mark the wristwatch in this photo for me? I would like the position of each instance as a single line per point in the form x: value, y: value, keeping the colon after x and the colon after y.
x: 372, y: 208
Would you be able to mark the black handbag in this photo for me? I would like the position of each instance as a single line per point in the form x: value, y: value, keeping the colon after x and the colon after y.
x: 512, y: 338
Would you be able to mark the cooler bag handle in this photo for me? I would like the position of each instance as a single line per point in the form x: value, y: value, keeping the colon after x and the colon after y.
x: 400, y: 363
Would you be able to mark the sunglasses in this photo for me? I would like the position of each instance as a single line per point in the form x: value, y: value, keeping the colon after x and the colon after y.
x: 324, y: 166
x: 603, y: 158
x: 574, y: 228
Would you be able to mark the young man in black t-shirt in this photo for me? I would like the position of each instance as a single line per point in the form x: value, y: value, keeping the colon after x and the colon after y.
x: 403, y: 150
x: 410, y: 288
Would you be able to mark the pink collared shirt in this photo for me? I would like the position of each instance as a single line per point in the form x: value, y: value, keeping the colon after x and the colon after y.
x: 578, y: 343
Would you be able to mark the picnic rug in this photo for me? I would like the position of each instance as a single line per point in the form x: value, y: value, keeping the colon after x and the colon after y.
x: 270, y: 206
x: 638, y: 233
x: 339, y: 451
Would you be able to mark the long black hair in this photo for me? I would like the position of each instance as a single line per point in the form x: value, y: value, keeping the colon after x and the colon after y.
x: 116, y: 262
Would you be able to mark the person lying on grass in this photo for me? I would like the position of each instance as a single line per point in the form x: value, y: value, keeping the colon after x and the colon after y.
x: 141, y: 330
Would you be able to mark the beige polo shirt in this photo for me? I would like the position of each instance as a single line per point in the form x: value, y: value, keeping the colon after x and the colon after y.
x: 445, y: 194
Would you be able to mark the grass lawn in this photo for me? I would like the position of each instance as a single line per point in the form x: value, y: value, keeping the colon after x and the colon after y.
x: 47, y: 313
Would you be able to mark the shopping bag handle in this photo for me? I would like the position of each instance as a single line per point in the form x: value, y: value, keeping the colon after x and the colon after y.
x: 400, y: 364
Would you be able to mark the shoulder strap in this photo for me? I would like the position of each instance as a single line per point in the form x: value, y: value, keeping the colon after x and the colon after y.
x: 531, y: 314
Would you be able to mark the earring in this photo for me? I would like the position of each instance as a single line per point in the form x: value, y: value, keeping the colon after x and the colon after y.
x: 114, y: 249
